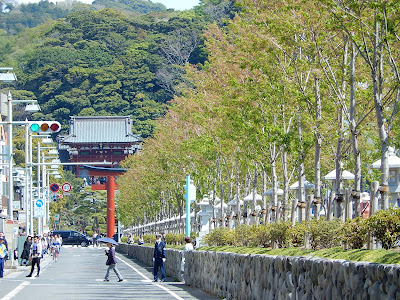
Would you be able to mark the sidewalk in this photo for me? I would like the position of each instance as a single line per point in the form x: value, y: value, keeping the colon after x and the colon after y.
x: 17, y: 268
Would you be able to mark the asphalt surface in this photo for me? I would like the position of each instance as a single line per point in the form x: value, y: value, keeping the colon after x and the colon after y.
x: 79, y: 274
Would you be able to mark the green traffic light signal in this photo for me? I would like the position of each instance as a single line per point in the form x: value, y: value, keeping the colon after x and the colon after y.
x: 35, y: 127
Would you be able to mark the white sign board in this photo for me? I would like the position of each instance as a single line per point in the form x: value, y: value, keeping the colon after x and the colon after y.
x: 16, y: 205
x: 39, y: 209
x: 22, y: 217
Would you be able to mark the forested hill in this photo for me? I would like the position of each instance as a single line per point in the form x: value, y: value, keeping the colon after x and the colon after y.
x: 107, y: 62
x: 14, y: 19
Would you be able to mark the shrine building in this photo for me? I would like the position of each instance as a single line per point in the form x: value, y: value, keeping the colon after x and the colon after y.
x: 97, y: 139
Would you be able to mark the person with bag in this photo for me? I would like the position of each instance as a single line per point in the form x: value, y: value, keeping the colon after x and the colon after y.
x: 159, y: 258
x: 26, y: 251
x: 3, y: 254
x: 112, y: 263
x: 35, y: 255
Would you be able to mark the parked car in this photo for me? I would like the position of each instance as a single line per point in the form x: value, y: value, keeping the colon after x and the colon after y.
x: 71, y: 237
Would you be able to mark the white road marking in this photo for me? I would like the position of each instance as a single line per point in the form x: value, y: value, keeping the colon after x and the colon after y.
x: 173, y: 294
x: 15, y: 291
x: 14, y: 274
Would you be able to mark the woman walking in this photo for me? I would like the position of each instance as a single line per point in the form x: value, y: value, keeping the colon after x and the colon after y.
x: 55, y: 247
x: 36, y: 254
x: 26, y: 250
x: 112, y: 263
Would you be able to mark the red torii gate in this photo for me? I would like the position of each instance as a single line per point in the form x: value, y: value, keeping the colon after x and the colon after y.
x: 110, y: 186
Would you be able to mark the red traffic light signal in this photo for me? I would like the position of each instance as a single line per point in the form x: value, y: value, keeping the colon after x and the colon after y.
x: 44, y: 126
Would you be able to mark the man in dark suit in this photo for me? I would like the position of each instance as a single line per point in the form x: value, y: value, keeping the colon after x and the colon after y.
x: 159, y: 258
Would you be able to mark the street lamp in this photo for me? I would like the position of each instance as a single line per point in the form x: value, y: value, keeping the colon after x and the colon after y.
x: 33, y: 107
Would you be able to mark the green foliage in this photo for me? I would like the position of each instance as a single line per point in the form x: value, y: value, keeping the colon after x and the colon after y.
x: 218, y: 237
x: 323, y: 233
x: 354, y: 233
x: 175, y: 239
x: 385, y: 227
x: 148, y: 238
x: 298, y: 232
x: 280, y: 233
x: 124, y: 239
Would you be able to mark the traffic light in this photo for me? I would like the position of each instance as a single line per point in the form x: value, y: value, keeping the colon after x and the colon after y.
x: 44, y: 126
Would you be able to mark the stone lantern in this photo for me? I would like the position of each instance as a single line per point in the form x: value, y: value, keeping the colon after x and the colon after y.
x: 301, y: 206
x: 235, y: 203
x: 275, y: 206
x: 254, y: 214
x: 394, y: 177
x: 339, y: 198
x: 206, y: 210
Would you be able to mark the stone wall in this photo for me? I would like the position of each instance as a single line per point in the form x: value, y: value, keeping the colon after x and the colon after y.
x: 145, y: 255
x: 238, y: 276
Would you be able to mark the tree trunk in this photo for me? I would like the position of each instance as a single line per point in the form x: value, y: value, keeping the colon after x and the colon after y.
x: 317, y: 155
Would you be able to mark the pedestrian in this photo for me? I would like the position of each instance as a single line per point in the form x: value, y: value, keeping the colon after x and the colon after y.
x: 55, y: 247
x: 3, y: 254
x: 130, y: 239
x: 159, y: 258
x: 112, y: 263
x: 140, y: 240
x: 94, y: 239
x: 26, y: 251
x: 59, y: 239
x: 36, y: 255
x: 188, y: 247
x: 163, y: 238
x: 5, y: 243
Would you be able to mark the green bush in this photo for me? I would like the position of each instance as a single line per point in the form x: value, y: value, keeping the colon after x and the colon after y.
x: 324, y: 234
x: 297, y: 234
x: 263, y: 235
x: 354, y: 233
x: 385, y: 226
x: 175, y: 239
x: 280, y: 234
x: 217, y: 237
x: 149, y: 238
x: 124, y: 239
x: 244, y: 235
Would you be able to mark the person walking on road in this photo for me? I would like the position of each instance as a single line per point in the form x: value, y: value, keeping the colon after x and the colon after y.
x: 188, y: 247
x: 55, y: 247
x: 159, y: 258
x: 26, y: 251
x: 3, y: 254
x: 112, y: 263
x: 36, y: 254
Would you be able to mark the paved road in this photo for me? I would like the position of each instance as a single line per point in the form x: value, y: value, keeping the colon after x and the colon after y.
x: 79, y: 274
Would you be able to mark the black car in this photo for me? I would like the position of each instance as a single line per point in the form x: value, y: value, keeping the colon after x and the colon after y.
x: 71, y: 237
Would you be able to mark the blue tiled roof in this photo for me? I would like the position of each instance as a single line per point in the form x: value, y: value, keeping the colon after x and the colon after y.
x: 113, y: 129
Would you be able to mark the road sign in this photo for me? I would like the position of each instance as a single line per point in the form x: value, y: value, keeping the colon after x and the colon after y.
x: 66, y: 187
x: 39, y: 208
x: 54, y: 187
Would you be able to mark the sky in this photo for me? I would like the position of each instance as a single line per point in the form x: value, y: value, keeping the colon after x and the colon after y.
x: 178, y: 4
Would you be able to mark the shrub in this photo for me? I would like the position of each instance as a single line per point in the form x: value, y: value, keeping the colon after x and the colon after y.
x: 385, y: 227
x: 324, y: 234
x: 280, y: 233
x: 175, y: 239
x: 354, y: 233
x: 217, y: 237
x: 297, y: 234
x: 124, y: 239
x: 244, y: 235
x: 149, y: 238
x: 263, y: 235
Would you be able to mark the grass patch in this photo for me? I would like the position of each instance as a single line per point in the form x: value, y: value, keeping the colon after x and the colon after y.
x: 381, y: 256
